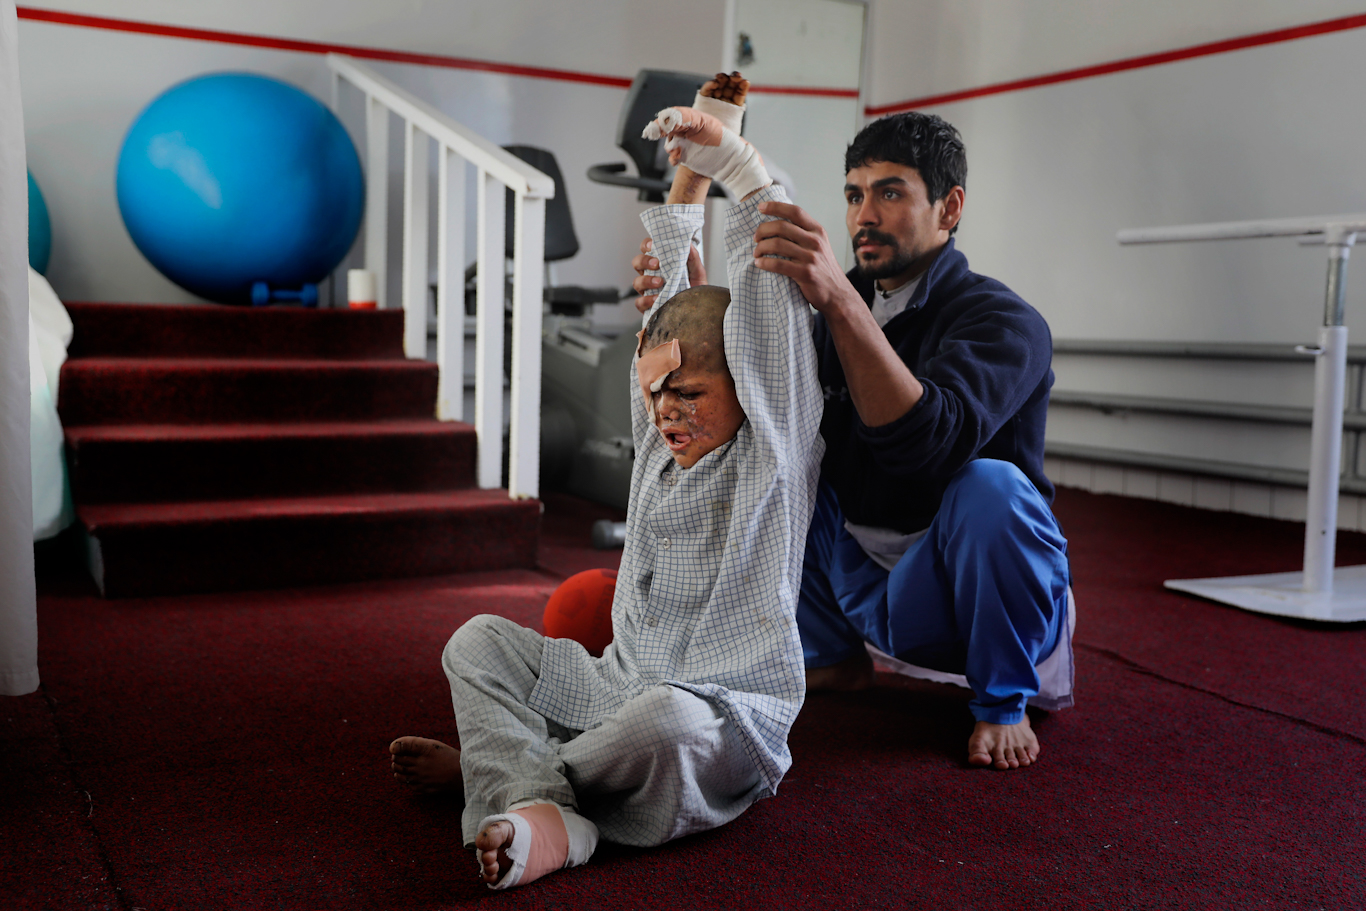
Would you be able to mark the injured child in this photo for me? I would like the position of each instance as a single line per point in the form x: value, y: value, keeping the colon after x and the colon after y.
x: 682, y: 723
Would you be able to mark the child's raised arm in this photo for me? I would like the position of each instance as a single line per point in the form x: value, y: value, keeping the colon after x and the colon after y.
x: 768, y: 342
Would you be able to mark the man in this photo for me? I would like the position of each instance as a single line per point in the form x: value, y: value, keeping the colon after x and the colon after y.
x: 933, y: 539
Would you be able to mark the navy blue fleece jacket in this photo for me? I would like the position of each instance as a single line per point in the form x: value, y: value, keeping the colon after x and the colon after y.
x: 984, y: 357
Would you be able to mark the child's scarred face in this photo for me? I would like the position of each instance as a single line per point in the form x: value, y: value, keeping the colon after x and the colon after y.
x: 697, y: 411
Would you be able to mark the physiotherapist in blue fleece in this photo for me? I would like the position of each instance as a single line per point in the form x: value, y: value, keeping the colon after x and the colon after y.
x: 933, y: 538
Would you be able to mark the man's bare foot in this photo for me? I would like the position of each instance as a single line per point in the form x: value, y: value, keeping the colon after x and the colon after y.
x: 491, y: 845
x: 1003, y: 746
x: 427, y: 766
x: 854, y: 673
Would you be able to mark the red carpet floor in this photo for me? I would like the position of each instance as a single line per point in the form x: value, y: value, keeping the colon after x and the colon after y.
x: 227, y: 751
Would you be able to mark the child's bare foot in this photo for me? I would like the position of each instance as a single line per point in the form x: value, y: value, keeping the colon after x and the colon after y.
x: 1003, y: 746
x: 854, y: 673
x: 427, y: 766
x: 727, y: 87
x: 491, y: 845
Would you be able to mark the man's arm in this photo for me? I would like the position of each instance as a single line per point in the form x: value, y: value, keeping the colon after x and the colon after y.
x: 881, y: 386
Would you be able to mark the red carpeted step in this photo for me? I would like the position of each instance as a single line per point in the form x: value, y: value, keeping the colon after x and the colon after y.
x: 214, y: 330
x: 132, y: 463
x: 203, y: 391
x: 172, y: 548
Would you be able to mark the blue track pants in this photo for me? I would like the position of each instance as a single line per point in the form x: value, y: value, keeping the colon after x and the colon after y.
x: 983, y: 593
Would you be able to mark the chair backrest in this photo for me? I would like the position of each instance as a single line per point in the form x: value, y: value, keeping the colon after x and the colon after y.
x: 650, y: 92
x: 560, y: 240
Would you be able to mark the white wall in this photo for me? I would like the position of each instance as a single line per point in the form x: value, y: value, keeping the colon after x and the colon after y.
x: 83, y: 88
x: 1055, y: 171
x: 808, y: 43
x: 600, y: 36
x: 920, y: 48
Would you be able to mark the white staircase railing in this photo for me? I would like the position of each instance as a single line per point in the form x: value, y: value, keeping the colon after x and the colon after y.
x: 496, y: 169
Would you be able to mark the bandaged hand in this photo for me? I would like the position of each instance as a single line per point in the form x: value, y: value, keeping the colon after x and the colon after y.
x: 706, y: 138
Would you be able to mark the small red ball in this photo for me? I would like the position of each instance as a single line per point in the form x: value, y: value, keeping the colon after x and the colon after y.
x: 581, y: 609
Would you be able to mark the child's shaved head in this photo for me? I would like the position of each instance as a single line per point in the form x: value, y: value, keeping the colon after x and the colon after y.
x: 696, y: 408
x: 695, y: 317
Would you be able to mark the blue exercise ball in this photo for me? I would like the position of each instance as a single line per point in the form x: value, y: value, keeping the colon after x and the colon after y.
x: 39, y: 228
x: 232, y: 180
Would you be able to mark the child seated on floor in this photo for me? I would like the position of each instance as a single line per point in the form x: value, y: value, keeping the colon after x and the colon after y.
x: 682, y: 723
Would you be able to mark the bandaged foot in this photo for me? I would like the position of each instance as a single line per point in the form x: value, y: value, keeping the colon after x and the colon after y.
x: 706, y: 137
x: 530, y: 840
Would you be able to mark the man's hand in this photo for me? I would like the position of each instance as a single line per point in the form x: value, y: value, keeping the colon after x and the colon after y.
x: 644, y: 285
x: 810, y: 260
x: 880, y: 385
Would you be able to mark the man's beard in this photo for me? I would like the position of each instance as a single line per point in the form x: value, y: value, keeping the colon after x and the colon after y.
x: 899, y: 263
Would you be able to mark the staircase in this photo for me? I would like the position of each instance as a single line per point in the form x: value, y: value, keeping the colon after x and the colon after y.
x: 218, y: 448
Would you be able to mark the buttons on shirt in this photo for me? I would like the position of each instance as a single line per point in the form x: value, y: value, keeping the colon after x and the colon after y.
x: 664, y: 542
x: 653, y: 621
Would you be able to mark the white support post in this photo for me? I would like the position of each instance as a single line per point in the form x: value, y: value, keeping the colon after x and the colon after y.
x: 1319, y: 591
x: 450, y: 286
x: 528, y: 263
x: 1325, y: 460
x: 415, y: 237
x: 488, y: 346
x: 377, y: 194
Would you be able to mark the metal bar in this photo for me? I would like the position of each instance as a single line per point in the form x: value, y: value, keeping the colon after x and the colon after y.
x: 1234, y: 230
x: 1325, y: 460
x: 528, y: 264
x: 1325, y: 451
x: 488, y: 341
x: 1231, y: 411
x: 506, y: 167
x: 1335, y: 296
x: 377, y: 194
x: 450, y: 286
x: 415, y: 236
x: 1155, y: 461
x: 1235, y: 351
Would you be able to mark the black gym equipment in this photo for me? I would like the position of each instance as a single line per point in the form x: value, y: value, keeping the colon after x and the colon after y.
x: 650, y: 93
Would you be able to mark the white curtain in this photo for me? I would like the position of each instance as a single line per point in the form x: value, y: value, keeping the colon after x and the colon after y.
x: 49, y: 332
x: 18, y: 604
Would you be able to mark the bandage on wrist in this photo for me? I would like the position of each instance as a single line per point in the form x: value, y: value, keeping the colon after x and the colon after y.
x: 732, y: 116
x: 707, y: 146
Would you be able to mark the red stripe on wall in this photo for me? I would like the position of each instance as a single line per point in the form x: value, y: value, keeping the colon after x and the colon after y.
x: 369, y: 53
x: 315, y: 47
x: 1329, y: 26
x: 804, y: 90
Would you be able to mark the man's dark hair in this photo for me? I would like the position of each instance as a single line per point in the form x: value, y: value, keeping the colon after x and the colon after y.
x: 925, y: 142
